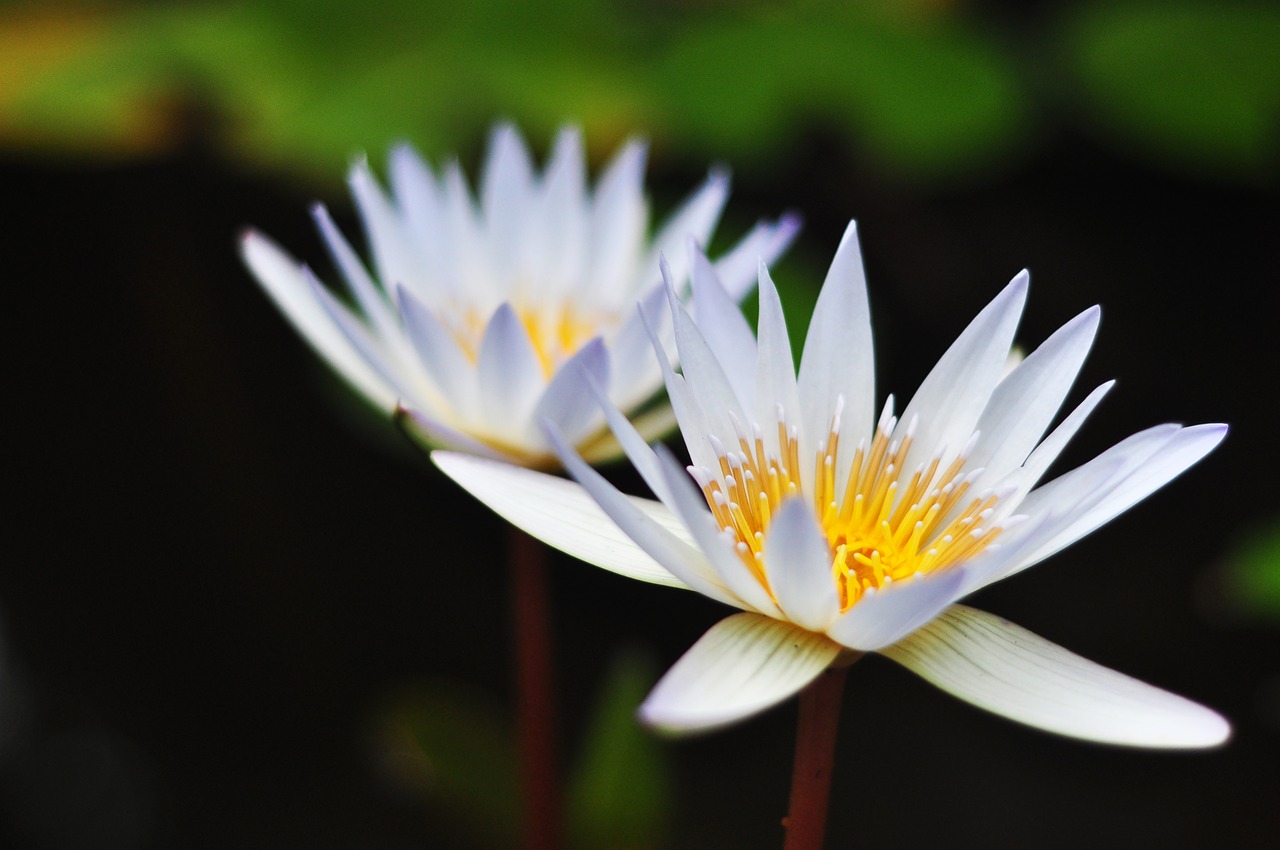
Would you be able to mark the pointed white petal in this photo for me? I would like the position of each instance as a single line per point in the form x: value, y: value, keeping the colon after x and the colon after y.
x: 418, y: 198
x: 444, y: 361
x: 1144, y: 473
x: 687, y: 502
x: 838, y: 358
x: 393, y: 254
x: 1039, y: 461
x: 506, y: 191
x: 560, y: 513
x: 696, y: 218
x: 558, y: 261
x: 776, y: 372
x: 636, y: 373
x: 737, y: 269
x: 704, y: 374
x: 283, y: 279
x: 1006, y: 669
x: 955, y: 392
x: 743, y: 665
x: 798, y: 560
x: 619, y: 214
x: 1025, y: 401
x: 508, y: 371
x: 647, y: 523
x: 897, y: 609
x: 368, y: 295
x: 725, y: 329
x: 568, y: 402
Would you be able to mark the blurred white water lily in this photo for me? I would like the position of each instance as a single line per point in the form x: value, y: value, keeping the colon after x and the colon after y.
x: 837, y: 530
x: 481, y: 320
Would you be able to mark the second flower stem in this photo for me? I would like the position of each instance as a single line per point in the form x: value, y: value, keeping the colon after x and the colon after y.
x: 816, y: 726
x: 539, y: 772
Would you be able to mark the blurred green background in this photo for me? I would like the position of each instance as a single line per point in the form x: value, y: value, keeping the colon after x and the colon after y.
x: 242, y: 613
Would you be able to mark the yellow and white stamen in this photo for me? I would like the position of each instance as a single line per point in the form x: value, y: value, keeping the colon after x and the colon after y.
x: 881, y: 525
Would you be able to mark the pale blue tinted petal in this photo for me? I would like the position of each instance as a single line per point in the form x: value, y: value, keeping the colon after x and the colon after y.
x: 798, y: 559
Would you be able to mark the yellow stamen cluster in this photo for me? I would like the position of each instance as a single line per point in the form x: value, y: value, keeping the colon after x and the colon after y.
x: 557, y: 334
x: 881, y: 527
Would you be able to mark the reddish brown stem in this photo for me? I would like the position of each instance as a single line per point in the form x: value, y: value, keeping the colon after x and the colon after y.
x: 535, y: 700
x: 816, y: 727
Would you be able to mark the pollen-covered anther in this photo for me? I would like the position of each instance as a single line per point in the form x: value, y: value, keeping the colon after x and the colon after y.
x: 881, y: 524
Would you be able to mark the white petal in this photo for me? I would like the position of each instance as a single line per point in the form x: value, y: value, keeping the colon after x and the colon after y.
x: 1038, y: 462
x: 368, y: 295
x: 1025, y: 402
x: 687, y: 502
x: 955, y: 392
x: 704, y: 374
x: 1149, y: 460
x: 1006, y: 669
x: 558, y: 261
x: 509, y: 373
x: 418, y: 197
x: 649, y: 525
x: 636, y: 373
x: 776, y: 373
x: 393, y: 254
x: 433, y: 434
x: 738, y: 268
x: 356, y: 333
x: 895, y: 610
x: 561, y: 514
x: 441, y: 356
x: 798, y: 561
x: 619, y: 214
x: 568, y: 402
x: 741, y: 666
x: 724, y: 328
x: 283, y: 279
x: 838, y: 358
x: 696, y: 218
x: 506, y: 190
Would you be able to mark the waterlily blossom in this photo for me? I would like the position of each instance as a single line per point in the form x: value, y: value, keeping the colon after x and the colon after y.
x: 480, y: 320
x: 839, y: 528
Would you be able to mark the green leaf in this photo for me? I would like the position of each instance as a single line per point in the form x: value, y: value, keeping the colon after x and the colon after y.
x: 619, y: 797
x: 1196, y: 85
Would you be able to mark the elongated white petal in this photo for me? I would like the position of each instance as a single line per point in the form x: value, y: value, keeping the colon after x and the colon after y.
x: 687, y: 503
x: 1006, y: 669
x: 560, y: 230
x: 618, y: 215
x: 950, y: 400
x: 702, y: 371
x: 394, y: 258
x: 434, y: 434
x: 1026, y: 400
x: 696, y: 218
x: 738, y: 268
x: 1039, y: 461
x: 895, y: 610
x: 636, y: 373
x: 799, y: 562
x: 508, y: 371
x: 670, y: 549
x: 775, y: 369
x: 561, y: 514
x: 567, y: 401
x: 419, y: 198
x: 743, y: 665
x: 725, y: 329
x: 838, y: 359
x: 358, y: 335
x: 371, y: 299
x: 444, y: 361
x: 1144, y: 477
x: 283, y: 279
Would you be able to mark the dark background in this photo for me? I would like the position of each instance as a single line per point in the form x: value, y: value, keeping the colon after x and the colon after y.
x: 219, y: 572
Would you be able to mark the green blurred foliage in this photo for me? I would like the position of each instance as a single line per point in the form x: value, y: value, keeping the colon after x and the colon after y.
x: 1194, y: 84
x: 1251, y: 576
x: 930, y: 91
x: 620, y: 793
x: 456, y: 749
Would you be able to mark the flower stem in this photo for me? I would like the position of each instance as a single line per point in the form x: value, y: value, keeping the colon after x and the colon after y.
x: 806, y: 823
x: 535, y: 702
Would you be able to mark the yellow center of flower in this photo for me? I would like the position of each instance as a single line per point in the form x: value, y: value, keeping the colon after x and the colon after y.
x: 881, y: 526
x: 557, y: 333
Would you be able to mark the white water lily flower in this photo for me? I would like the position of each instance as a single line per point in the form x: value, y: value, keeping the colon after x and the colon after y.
x: 482, y: 320
x: 837, y: 530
